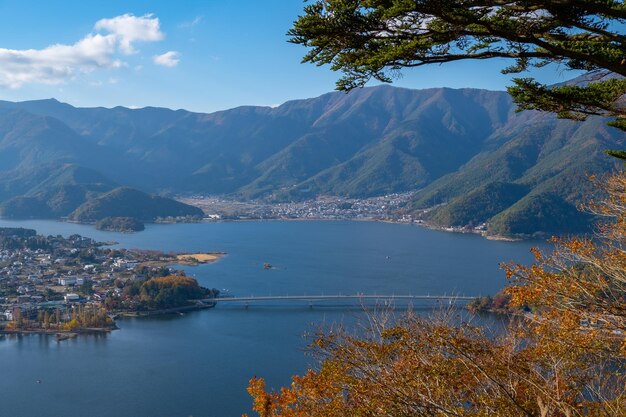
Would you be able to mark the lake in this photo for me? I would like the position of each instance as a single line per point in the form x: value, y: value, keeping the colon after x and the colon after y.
x: 198, y: 364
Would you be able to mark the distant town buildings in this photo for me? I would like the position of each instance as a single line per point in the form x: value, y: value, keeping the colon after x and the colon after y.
x: 390, y: 207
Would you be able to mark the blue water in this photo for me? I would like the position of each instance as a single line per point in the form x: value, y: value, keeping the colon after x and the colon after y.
x: 199, y: 364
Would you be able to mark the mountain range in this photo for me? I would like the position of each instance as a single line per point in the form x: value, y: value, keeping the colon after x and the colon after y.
x: 468, y: 152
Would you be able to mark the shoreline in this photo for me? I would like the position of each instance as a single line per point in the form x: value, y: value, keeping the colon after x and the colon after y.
x: 389, y: 221
x: 59, y: 333
x: 309, y: 219
x: 174, y: 310
x: 70, y: 334
x: 167, y: 259
x: 198, y: 258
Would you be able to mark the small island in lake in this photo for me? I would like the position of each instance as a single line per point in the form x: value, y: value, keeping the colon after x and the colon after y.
x: 120, y: 224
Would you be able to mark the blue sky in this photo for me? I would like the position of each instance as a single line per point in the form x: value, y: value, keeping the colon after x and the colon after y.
x: 198, y: 55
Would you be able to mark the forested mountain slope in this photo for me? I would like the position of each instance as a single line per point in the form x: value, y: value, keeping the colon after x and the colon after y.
x: 467, y: 150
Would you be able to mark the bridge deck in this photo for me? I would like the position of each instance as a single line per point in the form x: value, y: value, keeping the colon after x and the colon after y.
x: 331, y: 297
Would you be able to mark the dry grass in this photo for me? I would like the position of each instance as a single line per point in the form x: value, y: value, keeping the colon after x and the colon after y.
x: 199, y: 257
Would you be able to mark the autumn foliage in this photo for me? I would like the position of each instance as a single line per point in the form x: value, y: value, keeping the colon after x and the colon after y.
x: 563, y: 354
x: 170, y: 291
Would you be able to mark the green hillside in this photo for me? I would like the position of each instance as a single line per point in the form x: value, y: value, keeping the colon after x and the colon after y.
x: 550, y: 159
x: 545, y: 213
x: 128, y: 202
x: 480, y: 205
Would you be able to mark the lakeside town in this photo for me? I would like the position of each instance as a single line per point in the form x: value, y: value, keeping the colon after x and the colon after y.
x: 389, y: 207
x: 393, y: 208
x: 52, y: 284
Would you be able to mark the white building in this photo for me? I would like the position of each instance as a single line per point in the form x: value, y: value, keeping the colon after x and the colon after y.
x: 71, y: 297
x: 123, y: 263
x: 67, y: 281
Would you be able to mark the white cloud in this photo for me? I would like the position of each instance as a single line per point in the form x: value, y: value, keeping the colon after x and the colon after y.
x: 128, y: 29
x: 168, y: 59
x: 58, y: 63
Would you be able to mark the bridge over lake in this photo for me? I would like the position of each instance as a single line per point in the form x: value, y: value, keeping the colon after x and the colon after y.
x: 362, y: 298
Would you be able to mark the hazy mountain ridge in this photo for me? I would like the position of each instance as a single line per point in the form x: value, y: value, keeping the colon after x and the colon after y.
x: 450, y: 143
x: 50, y: 191
x: 228, y: 151
x: 85, y: 195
